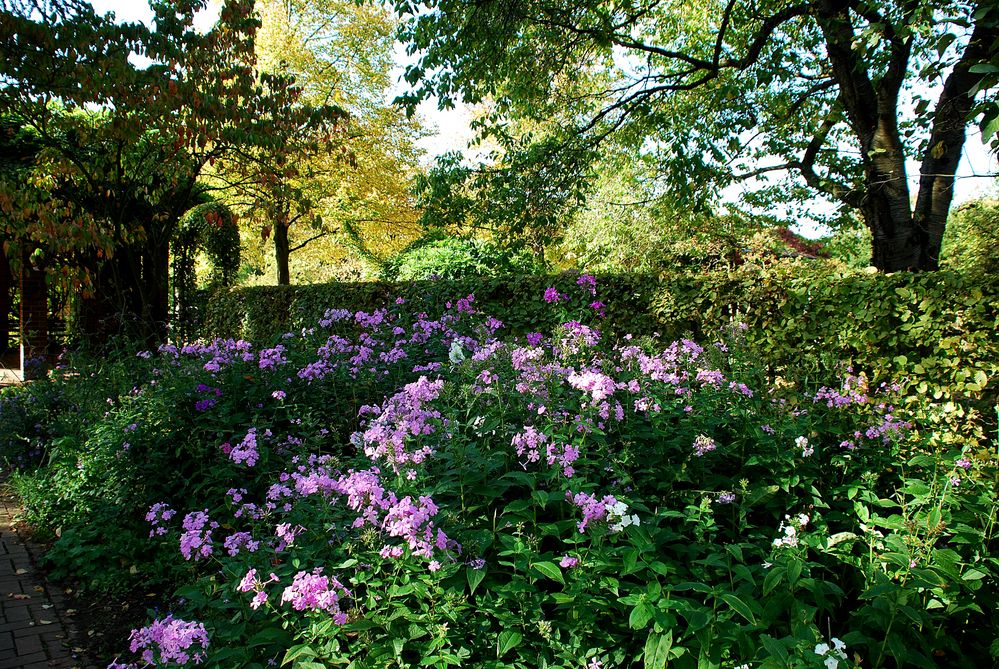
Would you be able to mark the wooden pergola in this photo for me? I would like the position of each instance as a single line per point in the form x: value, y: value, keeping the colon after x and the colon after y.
x: 32, y: 329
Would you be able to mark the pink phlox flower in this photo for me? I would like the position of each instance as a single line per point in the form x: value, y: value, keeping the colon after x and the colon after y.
x: 313, y: 591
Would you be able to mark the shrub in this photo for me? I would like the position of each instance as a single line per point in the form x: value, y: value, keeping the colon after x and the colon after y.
x: 437, y: 256
x: 556, y: 499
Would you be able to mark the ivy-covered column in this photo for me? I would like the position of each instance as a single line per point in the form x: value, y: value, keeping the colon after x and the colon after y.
x: 34, y: 331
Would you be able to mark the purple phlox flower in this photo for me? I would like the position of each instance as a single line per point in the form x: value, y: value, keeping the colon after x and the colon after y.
x: 853, y: 391
x: 246, y: 452
x: 712, y: 377
x: 314, y: 591
x: 577, y: 336
x: 588, y: 282
x: 397, y: 432
x: 234, y: 542
x: 169, y: 641
x: 528, y: 443
x: 552, y: 295
x: 196, y: 541
x: 158, y: 514
x: 286, y: 534
x: 598, y: 385
x: 606, y: 509
x: 205, y: 404
x: 568, y: 562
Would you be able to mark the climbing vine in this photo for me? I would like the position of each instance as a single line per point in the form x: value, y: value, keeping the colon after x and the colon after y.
x: 210, y: 229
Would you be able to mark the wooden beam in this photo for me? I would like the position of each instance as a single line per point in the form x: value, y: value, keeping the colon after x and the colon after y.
x: 34, y: 330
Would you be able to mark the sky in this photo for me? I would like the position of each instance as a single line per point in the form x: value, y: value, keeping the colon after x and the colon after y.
x: 450, y: 128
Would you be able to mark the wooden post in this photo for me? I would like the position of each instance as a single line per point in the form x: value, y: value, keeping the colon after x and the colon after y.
x: 34, y: 333
x: 6, y: 286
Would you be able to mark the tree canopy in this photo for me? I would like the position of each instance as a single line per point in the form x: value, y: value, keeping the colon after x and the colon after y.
x: 834, y: 96
x: 121, y: 145
x: 339, y: 53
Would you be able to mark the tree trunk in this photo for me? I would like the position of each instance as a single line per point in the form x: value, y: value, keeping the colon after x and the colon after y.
x: 156, y: 289
x: 947, y: 138
x: 282, y: 252
x: 903, y: 238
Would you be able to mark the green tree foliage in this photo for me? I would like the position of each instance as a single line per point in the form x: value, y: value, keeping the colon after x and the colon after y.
x: 122, y: 146
x: 722, y: 91
x: 521, y: 193
x: 211, y: 229
x: 972, y: 239
x: 438, y: 256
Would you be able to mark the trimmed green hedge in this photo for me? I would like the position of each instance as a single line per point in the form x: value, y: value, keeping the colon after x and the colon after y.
x: 935, y: 333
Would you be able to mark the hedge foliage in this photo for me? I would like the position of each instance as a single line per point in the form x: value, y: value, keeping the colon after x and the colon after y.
x: 936, y: 334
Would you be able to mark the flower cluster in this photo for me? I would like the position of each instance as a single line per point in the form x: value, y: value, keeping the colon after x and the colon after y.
x: 404, y: 415
x: 789, y: 529
x: 704, y: 444
x: 606, y: 509
x: 168, y: 642
x: 196, y: 541
x: 157, y: 515
x: 833, y: 655
x: 246, y: 452
x: 313, y: 591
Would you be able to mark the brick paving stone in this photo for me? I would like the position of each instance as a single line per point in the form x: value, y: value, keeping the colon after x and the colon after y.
x: 35, y: 633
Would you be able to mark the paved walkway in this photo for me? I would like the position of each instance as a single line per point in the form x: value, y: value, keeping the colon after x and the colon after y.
x: 35, y: 625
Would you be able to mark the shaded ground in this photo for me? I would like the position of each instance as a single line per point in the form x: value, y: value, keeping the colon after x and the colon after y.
x: 37, y: 628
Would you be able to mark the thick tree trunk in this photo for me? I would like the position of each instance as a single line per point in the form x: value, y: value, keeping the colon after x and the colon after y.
x: 896, y: 242
x: 947, y: 138
x: 282, y: 252
x: 156, y: 293
x: 903, y: 238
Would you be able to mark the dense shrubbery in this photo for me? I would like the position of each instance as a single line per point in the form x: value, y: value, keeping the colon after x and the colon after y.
x: 971, y: 240
x: 437, y: 256
x: 390, y: 489
x: 936, y: 334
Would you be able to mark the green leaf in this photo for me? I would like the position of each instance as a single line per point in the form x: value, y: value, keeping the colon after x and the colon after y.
x: 549, y: 569
x: 296, y: 653
x: 739, y: 607
x: 657, y: 650
x: 508, y: 640
x: 640, y: 616
x: 474, y: 577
